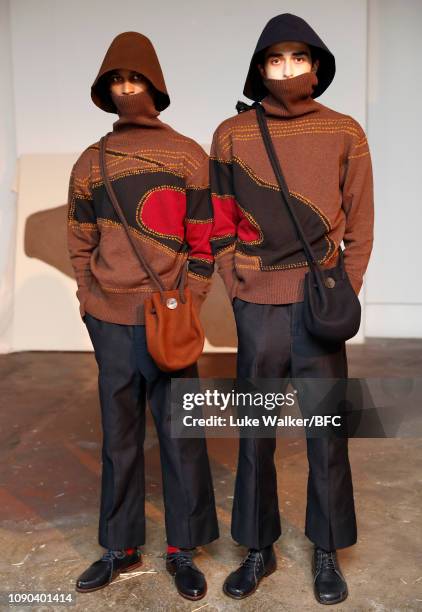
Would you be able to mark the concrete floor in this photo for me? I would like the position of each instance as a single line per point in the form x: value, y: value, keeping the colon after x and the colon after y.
x: 49, y: 486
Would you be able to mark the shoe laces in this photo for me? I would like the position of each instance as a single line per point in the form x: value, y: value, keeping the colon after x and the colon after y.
x: 250, y: 559
x: 327, y: 560
x: 181, y: 558
x: 111, y: 555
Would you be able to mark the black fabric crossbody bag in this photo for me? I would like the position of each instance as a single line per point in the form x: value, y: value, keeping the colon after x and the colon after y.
x: 332, y: 310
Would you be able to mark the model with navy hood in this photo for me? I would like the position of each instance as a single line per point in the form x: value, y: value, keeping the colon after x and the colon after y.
x: 160, y: 178
x: 326, y: 163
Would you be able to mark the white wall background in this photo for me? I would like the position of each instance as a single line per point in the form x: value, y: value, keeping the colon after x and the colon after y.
x: 394, y: 279
x: 7, y: 168
x: 204, y: 49
x: 50, y: 52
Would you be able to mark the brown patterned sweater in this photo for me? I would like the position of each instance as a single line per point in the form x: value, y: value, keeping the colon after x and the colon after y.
x: 327, y: 166
x: 161, y: 181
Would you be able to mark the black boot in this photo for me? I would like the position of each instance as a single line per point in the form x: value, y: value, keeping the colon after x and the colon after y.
x: 329, y: 584
x: 190, y: 581
x: 102, y: 572
x: 245, y: 580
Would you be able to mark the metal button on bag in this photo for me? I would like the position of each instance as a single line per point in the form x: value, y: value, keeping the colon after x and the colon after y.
x: 330, y: 282
x: 171, y: 303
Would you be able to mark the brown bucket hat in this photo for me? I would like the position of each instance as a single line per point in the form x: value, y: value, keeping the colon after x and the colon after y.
x: 130, y: 51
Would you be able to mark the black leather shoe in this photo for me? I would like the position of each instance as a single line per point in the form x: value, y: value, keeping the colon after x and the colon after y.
x: 102, y: 572
x: 329, y: 584
x: 190, y: 581
x: 245, y: 580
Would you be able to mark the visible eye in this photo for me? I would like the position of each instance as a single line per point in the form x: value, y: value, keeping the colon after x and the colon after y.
x: 137, y: 77
x: 275, y: 60
x: 115, y: 78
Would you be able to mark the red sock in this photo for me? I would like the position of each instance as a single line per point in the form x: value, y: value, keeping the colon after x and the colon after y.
x: 172, y: 549
x: 129, y: 551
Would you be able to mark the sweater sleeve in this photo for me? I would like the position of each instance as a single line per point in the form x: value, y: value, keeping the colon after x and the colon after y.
x: 358, y: 204
x: 198, y: 224
x: 225, y: 210
x: 83, y: 233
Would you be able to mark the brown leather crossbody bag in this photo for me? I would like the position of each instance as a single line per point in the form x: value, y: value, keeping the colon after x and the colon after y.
x: 175, y: 337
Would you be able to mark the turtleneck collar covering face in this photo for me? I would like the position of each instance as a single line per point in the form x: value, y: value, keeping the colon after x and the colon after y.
x: 136, y: 110
x: 290, y: 97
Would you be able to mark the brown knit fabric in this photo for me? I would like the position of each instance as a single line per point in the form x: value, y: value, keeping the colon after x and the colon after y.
x: 290, y: 97
x: 136, y: 109
x: 327, y: 166
x: 161, y: 180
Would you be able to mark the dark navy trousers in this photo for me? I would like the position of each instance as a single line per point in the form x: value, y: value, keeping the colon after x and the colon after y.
x: 128, y: 377
x: 273, y: 342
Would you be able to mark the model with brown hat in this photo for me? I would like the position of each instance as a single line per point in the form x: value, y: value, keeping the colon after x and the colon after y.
x: 160, y: 178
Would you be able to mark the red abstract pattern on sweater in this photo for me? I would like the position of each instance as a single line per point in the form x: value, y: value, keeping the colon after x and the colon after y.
x: 230, y: 220
x: 162, y: 210
x: 198, y: 235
